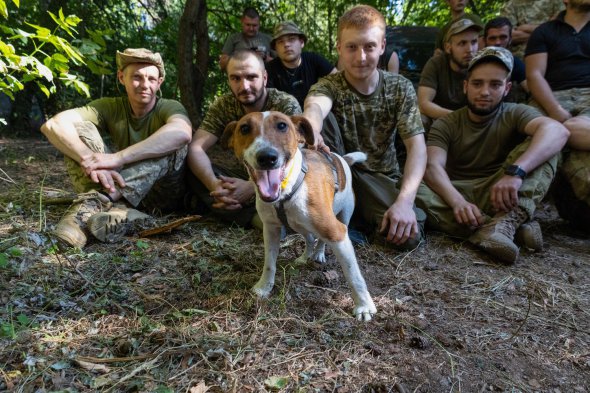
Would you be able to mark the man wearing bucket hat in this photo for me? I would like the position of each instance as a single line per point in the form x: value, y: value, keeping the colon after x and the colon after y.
x: 490, y: 163
x: 141, y: 162
x: 294, y: 71
x: 440, y: 90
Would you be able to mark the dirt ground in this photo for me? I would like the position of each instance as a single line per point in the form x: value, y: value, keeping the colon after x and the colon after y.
x: 173, y: 312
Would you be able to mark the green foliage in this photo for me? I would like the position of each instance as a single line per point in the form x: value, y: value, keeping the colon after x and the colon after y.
x: 33, y: 53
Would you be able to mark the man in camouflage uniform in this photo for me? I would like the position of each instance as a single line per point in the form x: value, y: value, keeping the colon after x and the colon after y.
x: 218, y: 179
x: 525, y: 16
x: 490, y: 163
x: 141, y: 163
x: 370, y: 107
x: 558, y: 70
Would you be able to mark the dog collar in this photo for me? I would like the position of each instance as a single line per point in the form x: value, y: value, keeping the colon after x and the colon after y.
x: 280, y: 208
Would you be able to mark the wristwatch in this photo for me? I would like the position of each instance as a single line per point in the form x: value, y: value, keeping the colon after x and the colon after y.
x: 515, y: 170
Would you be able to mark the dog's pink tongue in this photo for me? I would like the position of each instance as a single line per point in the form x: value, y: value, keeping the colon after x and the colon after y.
x: 269, y: 183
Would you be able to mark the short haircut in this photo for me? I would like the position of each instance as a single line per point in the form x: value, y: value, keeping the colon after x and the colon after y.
x: 498, y: 23
x: 361, y: 17
x: 245, y: 54
x: 251, y: 13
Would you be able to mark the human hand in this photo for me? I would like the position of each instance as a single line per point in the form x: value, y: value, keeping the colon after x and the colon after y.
x: 399, y: 223
x: 467, y: 213
x: 232, y: 193
x: 100, y: 161
x: 318, y: 143
x: 107, y: 178
x: 560, y: 114
x: 504, y: 194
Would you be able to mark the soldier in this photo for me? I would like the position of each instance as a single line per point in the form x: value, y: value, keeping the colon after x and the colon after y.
x: 145, y: 161
x: 490, y: 163
x: 218, y: 179
x: 371, y: 106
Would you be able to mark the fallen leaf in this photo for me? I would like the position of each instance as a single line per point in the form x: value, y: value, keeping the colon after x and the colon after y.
x: 200, y: 388
x: 99, y: 368
x: 331, y: 275
x: 276, y: 382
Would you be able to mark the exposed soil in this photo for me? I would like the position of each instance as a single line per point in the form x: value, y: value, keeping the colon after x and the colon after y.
x: 173, y: 312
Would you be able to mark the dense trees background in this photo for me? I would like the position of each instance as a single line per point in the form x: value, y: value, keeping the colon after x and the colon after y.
x: 188, y: 33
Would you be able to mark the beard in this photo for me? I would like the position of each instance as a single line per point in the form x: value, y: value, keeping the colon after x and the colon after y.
x: 245, y: 100
x: 483, y: 111
x: 580, y: 5
x: 462, y: 65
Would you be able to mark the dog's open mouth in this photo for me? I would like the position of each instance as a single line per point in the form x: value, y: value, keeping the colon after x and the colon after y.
x: 268, y: 182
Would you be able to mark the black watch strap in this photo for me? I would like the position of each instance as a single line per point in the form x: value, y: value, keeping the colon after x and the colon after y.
x: 515, y: 170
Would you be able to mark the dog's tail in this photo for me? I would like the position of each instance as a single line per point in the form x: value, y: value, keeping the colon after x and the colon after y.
x: 354, y: 157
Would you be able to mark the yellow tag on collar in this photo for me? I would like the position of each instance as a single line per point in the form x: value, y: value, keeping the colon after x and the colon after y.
x: 286, y: 179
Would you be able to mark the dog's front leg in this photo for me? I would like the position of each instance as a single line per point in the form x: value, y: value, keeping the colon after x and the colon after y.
x: 364, y: 308
x: 272, y: 236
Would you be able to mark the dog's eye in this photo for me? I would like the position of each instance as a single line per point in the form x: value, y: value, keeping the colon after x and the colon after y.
x: 245, y: 129
x: 282, y: 126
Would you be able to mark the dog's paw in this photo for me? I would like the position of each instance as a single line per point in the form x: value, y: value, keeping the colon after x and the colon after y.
x: 262, y: 289
x: 365, y: 312
x: 319, y: 257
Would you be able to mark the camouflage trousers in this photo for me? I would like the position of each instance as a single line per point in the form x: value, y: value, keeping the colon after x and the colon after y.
x: 576, y: 101
x: 477, y: 191
x: 375, y: 192
x: 153, y: 184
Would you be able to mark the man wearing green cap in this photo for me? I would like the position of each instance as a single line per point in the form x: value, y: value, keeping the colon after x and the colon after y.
x: 141, y: 162
x: 294, y: 71
x: 490, y: 163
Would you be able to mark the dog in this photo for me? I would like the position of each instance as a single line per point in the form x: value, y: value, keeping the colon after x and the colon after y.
x: 307, y: 190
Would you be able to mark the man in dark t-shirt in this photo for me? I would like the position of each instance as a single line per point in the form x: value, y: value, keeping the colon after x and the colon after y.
x: 294, y: 71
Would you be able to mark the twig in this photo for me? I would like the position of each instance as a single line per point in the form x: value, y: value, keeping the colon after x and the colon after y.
x: 5, y: 177
x: 91, y: 359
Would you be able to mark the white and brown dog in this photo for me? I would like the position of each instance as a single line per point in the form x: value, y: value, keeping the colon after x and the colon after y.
x: 308, y: 190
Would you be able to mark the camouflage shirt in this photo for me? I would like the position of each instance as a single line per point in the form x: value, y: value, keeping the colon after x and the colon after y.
x: 521, y: 12
x: 369, y: 123
x: 226, y: 109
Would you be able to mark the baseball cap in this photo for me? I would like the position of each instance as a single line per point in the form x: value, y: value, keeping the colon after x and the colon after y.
x: 496, y: 53
x: 284, y: 28
x: 460, y: 26
x: 140, y: 55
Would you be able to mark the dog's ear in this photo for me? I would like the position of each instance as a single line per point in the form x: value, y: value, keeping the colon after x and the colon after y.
x: 304, y: 128
x: 227, y: 137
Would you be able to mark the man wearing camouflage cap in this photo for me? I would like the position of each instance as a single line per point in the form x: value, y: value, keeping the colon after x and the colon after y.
x: 139, y: 166
x: 294, y: 71
x: 490, y: 163
x: 440, y: 90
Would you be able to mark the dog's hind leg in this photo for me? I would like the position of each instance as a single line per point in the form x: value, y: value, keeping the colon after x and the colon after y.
x: 272, y: 236
x: 364, y: 308
x: 309, y: 247
x: 319, y: 253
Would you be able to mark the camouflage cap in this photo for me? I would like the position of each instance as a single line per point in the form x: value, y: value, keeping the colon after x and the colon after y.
x: 460, y: 26
x: 140, y: 55
x: 494, y: 53
x: 284, y: 28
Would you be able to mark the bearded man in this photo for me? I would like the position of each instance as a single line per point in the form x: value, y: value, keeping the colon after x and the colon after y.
x: 490, y: 163
x: 440, y: 90
x: 218, y: 179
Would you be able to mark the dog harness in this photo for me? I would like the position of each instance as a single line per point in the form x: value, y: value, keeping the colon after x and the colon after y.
x: 280, y: 208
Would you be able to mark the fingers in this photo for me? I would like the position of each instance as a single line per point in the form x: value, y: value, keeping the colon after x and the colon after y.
x: 118, y: 178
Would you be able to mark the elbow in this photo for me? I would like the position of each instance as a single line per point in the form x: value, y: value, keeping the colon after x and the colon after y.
x: 47, y: 127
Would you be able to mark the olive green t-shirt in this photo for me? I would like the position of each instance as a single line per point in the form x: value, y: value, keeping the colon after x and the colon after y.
x: 369, y: 123
x: 476, y: 150
x: 114, y: 117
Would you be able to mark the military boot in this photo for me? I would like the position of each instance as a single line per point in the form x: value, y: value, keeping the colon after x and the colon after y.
x: 497, y: 236
x: 529, y: 235
x: 111, y: 226
x: 71, y: 228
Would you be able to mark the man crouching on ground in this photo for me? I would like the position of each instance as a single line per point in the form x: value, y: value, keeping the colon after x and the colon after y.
x: 490, y: 163
x: 140, y: 165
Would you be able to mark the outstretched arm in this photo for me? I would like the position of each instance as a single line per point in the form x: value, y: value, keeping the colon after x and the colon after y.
x: 316, y: 108
x: 399, y: 221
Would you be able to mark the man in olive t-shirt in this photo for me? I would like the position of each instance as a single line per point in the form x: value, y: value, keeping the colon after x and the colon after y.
x: 129, y: 150
x: 490, y: 163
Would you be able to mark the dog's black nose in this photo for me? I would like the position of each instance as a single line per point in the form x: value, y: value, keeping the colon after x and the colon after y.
x: 267, y: 158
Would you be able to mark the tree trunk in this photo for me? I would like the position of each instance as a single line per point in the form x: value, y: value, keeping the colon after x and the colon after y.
x: 193, y: 56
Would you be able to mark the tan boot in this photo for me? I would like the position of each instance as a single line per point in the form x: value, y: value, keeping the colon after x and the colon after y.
x: 497, y: 236
x: 71, y: 228
x: 111, y: 226
x: 529, y: 235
